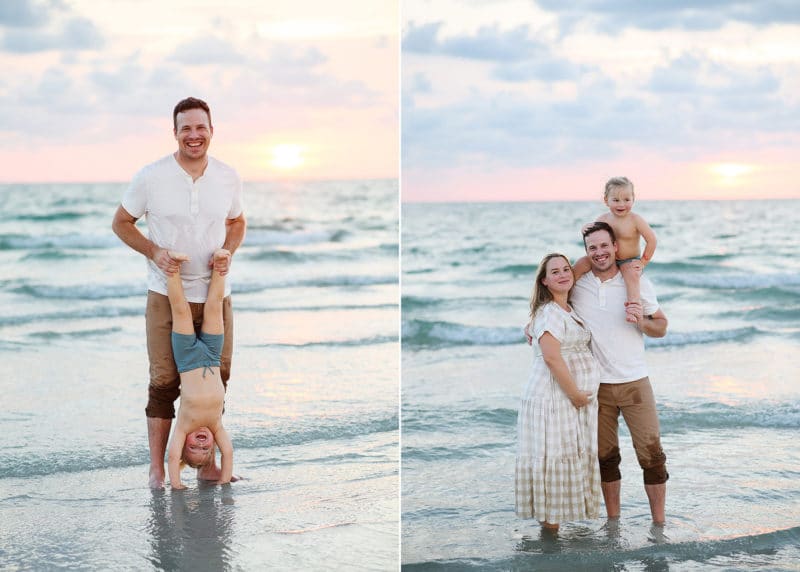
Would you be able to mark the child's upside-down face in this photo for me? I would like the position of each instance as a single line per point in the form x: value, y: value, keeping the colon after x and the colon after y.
x: 198, y: 450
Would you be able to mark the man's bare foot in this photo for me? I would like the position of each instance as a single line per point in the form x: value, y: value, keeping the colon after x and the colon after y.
x: 156, y: 478
x: 180, y: 256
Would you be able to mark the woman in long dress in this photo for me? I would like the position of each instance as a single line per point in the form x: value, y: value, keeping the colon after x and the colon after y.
x: 557, y: 474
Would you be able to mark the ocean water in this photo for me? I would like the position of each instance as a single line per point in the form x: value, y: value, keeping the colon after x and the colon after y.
x: 311, y: 404
x: 725, y: 378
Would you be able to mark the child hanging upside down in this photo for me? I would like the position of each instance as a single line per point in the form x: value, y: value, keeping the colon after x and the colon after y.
x: 199, y: 421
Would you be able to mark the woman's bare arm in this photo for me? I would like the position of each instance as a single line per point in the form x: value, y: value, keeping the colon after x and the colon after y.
x: 551, y: 352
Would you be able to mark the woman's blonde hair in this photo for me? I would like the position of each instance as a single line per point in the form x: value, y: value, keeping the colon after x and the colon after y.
x: 541, y: 295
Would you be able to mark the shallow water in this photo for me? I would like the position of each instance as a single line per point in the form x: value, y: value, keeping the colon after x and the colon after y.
x: 311, y: 405
x: 724, y: 378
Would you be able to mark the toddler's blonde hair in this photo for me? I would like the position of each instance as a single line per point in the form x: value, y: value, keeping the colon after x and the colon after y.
x: 615, y: 182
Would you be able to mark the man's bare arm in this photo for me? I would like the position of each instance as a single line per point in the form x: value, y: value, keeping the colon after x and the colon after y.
x: 124, y: 226
x: 655, y: 325
x: 234, y: 235
x: 234, y: 232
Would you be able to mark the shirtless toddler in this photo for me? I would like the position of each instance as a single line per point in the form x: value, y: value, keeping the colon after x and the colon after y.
x: 199, y: 420
x: 629, y: 229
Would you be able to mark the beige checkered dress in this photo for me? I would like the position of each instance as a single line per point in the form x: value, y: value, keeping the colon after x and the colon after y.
x: 558, y: 476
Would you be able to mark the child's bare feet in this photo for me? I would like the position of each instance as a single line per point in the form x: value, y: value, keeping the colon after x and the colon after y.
x: 221, y: 261
x: 221, y: 253
x: 630, y: 312
x: 179, y: 256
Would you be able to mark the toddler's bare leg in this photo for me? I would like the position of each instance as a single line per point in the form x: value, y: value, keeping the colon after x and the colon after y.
x: 212, y: 310
x: 181, y: 313
x: 631, y: 271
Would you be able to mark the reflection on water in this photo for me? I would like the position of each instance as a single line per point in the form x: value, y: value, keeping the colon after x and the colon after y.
x: 191, y: 529
x: 580, y: 547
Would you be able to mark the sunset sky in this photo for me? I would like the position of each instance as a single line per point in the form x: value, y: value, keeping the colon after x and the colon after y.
x: 297, y: 88
x: 545, y: 100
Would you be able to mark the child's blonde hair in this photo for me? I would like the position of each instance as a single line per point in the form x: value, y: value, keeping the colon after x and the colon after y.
x: 541, y: 295
x: 615, y: 182
x: 209, y: 458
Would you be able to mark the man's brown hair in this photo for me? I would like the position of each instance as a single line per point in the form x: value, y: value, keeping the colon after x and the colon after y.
x: 186, y: 105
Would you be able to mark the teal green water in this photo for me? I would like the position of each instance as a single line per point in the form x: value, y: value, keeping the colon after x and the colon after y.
x: 311, y: 405
x: 725, y: 379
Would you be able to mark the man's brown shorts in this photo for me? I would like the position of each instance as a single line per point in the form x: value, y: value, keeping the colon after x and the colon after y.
x: 165, y: 383
x: 638, y: 407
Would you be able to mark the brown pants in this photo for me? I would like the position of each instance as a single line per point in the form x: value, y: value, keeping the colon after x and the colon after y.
x: 165, y: 383
x: 638, y: 406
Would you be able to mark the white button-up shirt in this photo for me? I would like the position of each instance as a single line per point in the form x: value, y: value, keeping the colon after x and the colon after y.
x: 617, y: 345
x: 185, y: 216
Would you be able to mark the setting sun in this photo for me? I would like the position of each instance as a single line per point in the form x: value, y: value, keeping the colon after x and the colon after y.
x: 731, y: 170
x: 287, y: 156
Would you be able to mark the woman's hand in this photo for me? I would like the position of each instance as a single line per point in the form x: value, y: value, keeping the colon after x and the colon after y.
x: 580, y: 398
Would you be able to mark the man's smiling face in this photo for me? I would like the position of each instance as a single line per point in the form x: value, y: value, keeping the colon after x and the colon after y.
x: 193, y: 133
x: 601, y: 251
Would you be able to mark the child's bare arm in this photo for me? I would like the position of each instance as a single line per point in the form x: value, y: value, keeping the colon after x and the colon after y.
x: 225, y: 445
x: 174, y: 458
x: 581, y: 267
x: 600, y: 218
x: 603, y: 217
x: 649, y: 238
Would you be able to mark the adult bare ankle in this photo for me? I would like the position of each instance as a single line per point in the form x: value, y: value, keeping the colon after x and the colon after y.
x: 156, y: 478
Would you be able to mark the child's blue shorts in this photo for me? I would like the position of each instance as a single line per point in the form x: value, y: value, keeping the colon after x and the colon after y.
x: 626, y: 260
x: 193, y: 352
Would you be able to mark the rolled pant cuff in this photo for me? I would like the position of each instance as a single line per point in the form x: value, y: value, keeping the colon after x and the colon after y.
x: 609, y: 468
x: 656, y: 475
x: 160, y: 412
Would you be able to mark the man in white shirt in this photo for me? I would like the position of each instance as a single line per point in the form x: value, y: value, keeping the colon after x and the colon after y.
x: 599, y: 297
x: 193, y: 205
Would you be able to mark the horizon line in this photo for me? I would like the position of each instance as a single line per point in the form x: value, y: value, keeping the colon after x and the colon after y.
x: 533, y: 200
x: 244, y: 180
